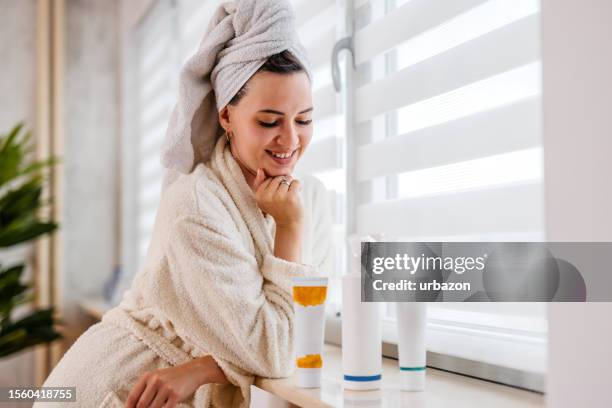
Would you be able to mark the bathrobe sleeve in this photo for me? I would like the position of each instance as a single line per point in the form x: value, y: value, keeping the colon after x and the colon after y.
x: 241, y: 312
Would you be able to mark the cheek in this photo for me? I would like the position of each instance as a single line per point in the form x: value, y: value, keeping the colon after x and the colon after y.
x: 306, y: 137
x: 253, y: 140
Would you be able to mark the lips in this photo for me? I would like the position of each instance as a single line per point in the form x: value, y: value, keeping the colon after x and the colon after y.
x: 280, y: 160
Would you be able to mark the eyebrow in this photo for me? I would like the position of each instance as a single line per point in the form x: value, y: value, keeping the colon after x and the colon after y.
x: 282, y: 113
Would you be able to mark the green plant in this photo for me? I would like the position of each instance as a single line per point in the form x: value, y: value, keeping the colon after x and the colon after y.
x: 21, y: 186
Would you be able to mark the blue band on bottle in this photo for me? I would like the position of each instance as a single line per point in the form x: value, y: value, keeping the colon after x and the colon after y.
x: 362, y: 378
x: 412, y: 368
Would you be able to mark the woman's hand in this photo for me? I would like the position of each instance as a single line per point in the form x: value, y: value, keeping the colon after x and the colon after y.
x: 284, y: 204
x: 279, y: 200
x: 167, y: 387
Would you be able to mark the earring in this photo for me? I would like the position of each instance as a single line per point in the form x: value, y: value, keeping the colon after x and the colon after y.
x: 228, y: 135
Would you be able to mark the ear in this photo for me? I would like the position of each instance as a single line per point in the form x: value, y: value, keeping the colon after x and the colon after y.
x: 224, y: 118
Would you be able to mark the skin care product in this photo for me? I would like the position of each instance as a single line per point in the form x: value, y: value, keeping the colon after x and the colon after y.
x: 411, y: 322
x: 361, y: 338
x: 361, y: 328
x: 309, y: 296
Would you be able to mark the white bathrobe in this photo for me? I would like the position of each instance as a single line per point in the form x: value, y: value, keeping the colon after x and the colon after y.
x: 210, y: 284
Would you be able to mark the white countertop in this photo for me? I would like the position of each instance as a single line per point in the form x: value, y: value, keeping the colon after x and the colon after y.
x: 443, y: 389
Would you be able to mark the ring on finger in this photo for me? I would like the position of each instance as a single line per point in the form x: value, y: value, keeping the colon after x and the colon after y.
x: 285, y: 181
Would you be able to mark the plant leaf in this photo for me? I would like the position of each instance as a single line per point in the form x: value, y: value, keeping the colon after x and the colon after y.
x: 17, y: 233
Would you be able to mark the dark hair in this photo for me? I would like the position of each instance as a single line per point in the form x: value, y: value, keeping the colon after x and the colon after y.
x: 281, y: 63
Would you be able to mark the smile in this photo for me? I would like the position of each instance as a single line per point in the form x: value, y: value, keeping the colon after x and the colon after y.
x: 282, y: 158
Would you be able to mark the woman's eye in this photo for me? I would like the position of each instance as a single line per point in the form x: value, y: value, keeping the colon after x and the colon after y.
x: 273, y: 124
x: 266, y: 124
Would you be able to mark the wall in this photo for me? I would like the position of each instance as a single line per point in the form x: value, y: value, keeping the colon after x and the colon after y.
x: 17, y: 103
x: 577, y: 89
x: 91, y: 150
x: 91, y: 143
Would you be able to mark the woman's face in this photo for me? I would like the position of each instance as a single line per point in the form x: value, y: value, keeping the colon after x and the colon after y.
x: 274, y: 117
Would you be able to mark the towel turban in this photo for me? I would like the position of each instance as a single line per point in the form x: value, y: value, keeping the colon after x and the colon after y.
x: 239, y: 39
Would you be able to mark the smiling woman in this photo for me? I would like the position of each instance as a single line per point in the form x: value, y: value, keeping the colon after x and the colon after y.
x: 212, y: 307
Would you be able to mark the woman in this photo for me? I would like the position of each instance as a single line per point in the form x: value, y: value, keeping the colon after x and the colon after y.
x: 211, y: 307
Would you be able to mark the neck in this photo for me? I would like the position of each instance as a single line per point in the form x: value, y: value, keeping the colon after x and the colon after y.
x: 249, y: 174
x: 250, y: 179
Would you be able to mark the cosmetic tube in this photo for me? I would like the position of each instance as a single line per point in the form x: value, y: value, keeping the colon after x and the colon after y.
x: 411, y: 323
x: 361, y: 328
x: 361, y: 338
x: 309, y: 295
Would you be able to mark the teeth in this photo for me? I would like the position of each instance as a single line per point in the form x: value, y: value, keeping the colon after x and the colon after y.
x: 281, y: 155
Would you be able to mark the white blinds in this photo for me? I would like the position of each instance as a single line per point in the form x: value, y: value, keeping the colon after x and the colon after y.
x: 447, y: 146
x: 448, y: 126
x: 156, y: 88
x: 194, y: 16
x: 318, y: 29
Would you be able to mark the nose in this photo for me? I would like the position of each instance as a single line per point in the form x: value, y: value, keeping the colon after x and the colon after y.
x: 289, y: 136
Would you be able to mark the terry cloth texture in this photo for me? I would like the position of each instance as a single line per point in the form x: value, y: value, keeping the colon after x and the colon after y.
x: 239, y: 39
x: 210, y: 285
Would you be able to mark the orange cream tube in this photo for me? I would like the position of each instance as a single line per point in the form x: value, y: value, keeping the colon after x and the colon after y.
x: 309, y: 296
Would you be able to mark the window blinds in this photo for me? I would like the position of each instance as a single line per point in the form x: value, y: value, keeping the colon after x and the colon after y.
x: 446, y: 145
x: 156, y: 88
x: 451, y: 129
x: 318, y: 29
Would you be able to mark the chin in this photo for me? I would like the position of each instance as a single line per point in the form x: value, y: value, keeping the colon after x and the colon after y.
x: 276, y: 172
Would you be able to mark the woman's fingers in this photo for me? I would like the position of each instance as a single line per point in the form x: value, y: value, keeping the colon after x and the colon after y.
x: 172, y: 402
x: 160, y: 398
x: 134, y: 395
x: 276, y: 182
x: 281, y: 183
x: 263, y: 186
x: 149, y: 393
x: 278, y: 189
x: 289, y: 179
x: 269, y: 187
x: 259, y: 178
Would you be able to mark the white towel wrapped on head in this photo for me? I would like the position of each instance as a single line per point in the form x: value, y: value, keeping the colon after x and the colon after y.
x: 241, y: 36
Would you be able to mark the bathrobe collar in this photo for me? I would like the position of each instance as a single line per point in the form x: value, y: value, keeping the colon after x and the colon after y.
x: 228, y: 170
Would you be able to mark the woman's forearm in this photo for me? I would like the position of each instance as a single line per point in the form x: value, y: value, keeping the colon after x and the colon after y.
x: 288, y: 242
x: 209, y: 371
x: 287, y: 246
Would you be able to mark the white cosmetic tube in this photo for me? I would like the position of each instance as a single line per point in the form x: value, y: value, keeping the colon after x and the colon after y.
x: 361, y: 338
x: 411, y: 323
x: 309, y: 295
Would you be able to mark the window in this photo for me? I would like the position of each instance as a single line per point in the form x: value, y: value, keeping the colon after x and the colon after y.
x: 156, y: 84
x: 446, y: 125
x: 318, y: 29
